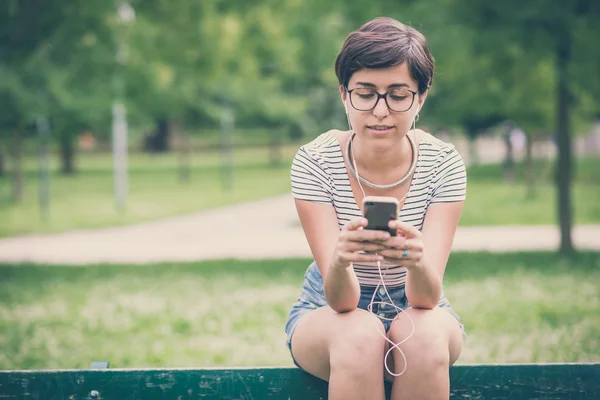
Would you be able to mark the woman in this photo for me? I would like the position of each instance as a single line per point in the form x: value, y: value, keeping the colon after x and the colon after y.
x: 349, y: 313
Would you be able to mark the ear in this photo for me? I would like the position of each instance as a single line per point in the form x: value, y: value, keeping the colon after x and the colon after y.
x: 421, y: 100
x: 343, y: 95
x: 342, y: 92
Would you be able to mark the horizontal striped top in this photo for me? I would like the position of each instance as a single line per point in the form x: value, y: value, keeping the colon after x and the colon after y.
x: 319, y: 174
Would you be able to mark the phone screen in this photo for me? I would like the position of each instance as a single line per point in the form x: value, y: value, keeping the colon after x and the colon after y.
x: 379, y: 214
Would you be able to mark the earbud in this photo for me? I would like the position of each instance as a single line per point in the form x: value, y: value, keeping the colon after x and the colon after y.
x: 347, y: 115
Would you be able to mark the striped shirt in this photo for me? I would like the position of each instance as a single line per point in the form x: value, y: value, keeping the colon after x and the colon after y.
x: 319, y: 174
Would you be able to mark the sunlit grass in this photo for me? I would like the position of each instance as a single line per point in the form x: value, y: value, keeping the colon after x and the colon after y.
x: 526, y: 307
x: 493, y: 203
x: 86, y: 200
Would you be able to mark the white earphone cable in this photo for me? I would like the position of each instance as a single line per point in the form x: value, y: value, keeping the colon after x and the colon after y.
x: 391, y: 302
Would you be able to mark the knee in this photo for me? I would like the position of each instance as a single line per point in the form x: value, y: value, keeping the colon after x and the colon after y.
x: 429, y: 349
x: 428, y: 346
x: 359, y: 344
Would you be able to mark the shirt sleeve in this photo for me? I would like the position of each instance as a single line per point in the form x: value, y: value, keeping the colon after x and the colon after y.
x: 309, y: 179
x: 451, y: 179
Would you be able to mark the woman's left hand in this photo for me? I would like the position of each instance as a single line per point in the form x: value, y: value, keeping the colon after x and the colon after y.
x: 407, y: 248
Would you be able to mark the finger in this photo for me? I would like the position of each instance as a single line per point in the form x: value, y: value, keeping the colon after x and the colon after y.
x: 396, y: 242
x: 363, y: 246
x: 400, y: 243
x: 360, y: 257
x: 399, y: 255
x: 414, y: 244
x: 367, y: 235
x: 409, y: 230
x: 356, y: 223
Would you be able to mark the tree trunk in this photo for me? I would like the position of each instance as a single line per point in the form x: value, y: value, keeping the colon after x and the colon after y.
x: 67, y: 155
x: 529, y: 167
x: 17, y: 165
x: 509, y: 174
x: 563, y: 173
x: 162, y: 135
x: 473, y: 156
x: 275, y: 147
x: 2, y: 162
x: 158, y: 141
x: 185, y: 168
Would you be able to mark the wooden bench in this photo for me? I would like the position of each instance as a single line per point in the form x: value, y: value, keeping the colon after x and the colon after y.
x: 511, y: 381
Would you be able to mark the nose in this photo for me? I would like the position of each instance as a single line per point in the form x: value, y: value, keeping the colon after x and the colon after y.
x: 381, y: 109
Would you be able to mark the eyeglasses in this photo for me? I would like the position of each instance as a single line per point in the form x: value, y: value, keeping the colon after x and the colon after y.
x: 397, y: 99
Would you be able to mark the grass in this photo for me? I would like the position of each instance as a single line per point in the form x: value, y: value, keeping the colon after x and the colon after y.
x: 522, y: 307
x: 491, y: 202
x: 85, y: 201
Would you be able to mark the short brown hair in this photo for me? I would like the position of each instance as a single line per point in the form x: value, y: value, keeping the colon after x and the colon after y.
x: 382, y: 43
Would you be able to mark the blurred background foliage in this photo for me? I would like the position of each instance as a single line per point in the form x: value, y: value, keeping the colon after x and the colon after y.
x: 181, y: 65
x: 272, y: 62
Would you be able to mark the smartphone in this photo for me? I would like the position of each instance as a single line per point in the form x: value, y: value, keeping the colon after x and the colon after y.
x: 379, y: 211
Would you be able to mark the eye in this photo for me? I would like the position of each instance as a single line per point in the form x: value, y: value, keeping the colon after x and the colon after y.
x: 399, y: 94
x: 365, y: 93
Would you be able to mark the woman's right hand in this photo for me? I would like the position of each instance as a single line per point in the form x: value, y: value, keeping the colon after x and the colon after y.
x: 353, y: 240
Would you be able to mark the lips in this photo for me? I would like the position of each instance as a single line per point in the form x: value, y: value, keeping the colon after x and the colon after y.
x: 380, y: 127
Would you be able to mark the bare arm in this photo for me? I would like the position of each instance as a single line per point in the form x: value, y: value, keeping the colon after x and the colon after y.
x: 428, y: 252
x: 335, y: 250
x: 424, y: 285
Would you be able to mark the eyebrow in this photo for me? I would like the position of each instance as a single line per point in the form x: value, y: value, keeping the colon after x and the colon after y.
x: 393, y: 85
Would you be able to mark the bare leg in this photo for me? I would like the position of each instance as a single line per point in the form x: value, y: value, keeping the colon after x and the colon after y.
x: 344, y: 349
x: 431, y: 350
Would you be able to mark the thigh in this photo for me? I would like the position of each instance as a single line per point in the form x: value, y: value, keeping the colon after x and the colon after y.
x: 320, y: 330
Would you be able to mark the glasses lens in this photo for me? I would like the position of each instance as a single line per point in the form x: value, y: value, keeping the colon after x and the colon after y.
x: 399, y: 99
x: 363, y: 99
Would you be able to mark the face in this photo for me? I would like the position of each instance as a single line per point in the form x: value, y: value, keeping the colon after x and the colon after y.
x: 381, y: 122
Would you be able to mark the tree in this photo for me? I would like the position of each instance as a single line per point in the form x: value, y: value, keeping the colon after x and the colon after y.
x: 53, y: 60
x: 553, y: 31
x: 2, y: 161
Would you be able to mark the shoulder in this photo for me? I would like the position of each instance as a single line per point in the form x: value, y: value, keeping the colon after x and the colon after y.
x: 324, y: 142
x: 323, y: 147
x: 434, y: 145
x: 311, y: 171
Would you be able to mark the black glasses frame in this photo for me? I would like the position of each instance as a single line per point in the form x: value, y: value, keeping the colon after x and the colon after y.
x: 384, y: 97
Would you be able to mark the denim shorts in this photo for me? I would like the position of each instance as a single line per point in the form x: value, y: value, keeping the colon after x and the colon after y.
x: 312, y: 297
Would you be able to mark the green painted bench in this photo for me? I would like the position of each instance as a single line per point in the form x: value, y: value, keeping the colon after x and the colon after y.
x: 511, y: 381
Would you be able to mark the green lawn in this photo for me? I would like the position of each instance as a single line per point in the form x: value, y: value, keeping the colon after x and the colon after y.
x: 491, y: 202
x: 522, y: 307
x: 86, y: 199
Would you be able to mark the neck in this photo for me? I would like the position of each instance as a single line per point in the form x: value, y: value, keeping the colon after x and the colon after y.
x: 378, y: 159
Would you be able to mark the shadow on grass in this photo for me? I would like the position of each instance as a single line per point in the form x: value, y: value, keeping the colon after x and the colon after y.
x: 484, y: 265
x: 461, y: 266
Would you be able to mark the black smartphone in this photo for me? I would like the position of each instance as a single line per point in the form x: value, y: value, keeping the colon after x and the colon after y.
x: 379, y: 211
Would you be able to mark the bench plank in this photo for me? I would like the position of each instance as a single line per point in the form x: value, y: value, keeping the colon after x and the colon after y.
x: 508, y: 381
